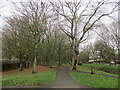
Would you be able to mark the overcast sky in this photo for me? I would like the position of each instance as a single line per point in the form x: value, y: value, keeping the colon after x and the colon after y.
x: 6, y: 7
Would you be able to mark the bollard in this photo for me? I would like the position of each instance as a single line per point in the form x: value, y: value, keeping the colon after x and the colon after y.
x: 92, y: 70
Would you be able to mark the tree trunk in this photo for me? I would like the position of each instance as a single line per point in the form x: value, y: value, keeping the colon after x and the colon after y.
x: 74, y: 65
x: 59, y: 60
x: 25, y: 64
x: 34, y: 65
x: 118, y: 56
x: 30, y: 64
x: 21, y: 62
x: 9, y: 58
x: 21, y: 66
x: 76, y: 52
x: 35, y: 59
x: 71, y: 62
x: 110, y: 63
x: 59, y: 64
x: 103, y: 63
x: 115, y: 62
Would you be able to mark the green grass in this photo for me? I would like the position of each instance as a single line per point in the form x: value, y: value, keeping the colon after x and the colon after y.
x: 101, y: 65
x: 0, y: 79
x: 95, y: 81
x: 29, y: 79
x: 106, y: 68
x: 88, y: 69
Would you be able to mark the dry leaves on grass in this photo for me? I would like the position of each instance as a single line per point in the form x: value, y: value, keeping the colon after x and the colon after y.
x: 38, y: 69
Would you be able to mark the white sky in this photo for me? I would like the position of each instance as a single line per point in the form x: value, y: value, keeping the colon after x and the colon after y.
x: 6, y: 8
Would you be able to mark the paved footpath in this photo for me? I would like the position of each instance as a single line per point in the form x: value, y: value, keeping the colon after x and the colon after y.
x: 63, y: 80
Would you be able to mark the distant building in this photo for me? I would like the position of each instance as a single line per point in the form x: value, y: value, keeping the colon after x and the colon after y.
x: 91, y: 61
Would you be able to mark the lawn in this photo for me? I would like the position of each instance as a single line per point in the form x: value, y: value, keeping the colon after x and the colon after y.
x: 44, y: 75
x: 95, y: 81
x: 98, y: 68
x: 88, y: 69
x: 103, y: 67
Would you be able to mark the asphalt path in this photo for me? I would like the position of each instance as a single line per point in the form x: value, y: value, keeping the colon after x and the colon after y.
x: 63, y: 80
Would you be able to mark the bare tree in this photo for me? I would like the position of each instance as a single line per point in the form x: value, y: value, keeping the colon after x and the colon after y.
x: 111, y: 36
x: 77, y: 18
x: 118, y: 29
x: 35, y: 22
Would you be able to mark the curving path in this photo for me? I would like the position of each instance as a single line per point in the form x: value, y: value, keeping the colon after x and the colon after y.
x: 63, y: 80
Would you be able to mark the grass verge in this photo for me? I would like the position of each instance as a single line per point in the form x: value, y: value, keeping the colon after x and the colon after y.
x: 104, y: 67
x: 95, y: 81
x: 98, y: 69
x: 27, y: 78
x: 88, y: 69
